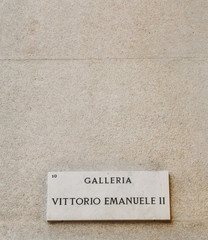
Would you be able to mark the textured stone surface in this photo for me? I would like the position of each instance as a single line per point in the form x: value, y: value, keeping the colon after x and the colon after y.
x: 37, y: 230
x: 109, y: 29
x: 142, y: 105
x: 98, y: 115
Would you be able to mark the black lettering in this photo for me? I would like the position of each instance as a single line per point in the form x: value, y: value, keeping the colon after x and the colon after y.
x: 118, y: 180
x: 128, y: 200
x: 141, y: 200
x: 128, y: 180
x: 86, y: 201
x: 55, y: 201
x: 87, y: 180
x: 94, y: 181
x: 79, y: 201
x: 146, y: 201
x: 106, y: 201
x: 113, y: 201
x: 96, y: 199
x: 162, y: 200
x: 65, y: 200
x: 136, y: 200
x: 121, y: 201
x: 152, y: 200
x: 72, y: 201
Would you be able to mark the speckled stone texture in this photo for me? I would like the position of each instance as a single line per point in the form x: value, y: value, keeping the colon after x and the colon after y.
x: 103, y: 85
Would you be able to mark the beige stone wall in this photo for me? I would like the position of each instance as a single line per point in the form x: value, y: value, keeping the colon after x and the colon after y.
x: 103, y: 85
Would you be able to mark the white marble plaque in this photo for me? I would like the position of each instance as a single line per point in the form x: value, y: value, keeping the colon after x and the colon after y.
x: 122, y: 195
